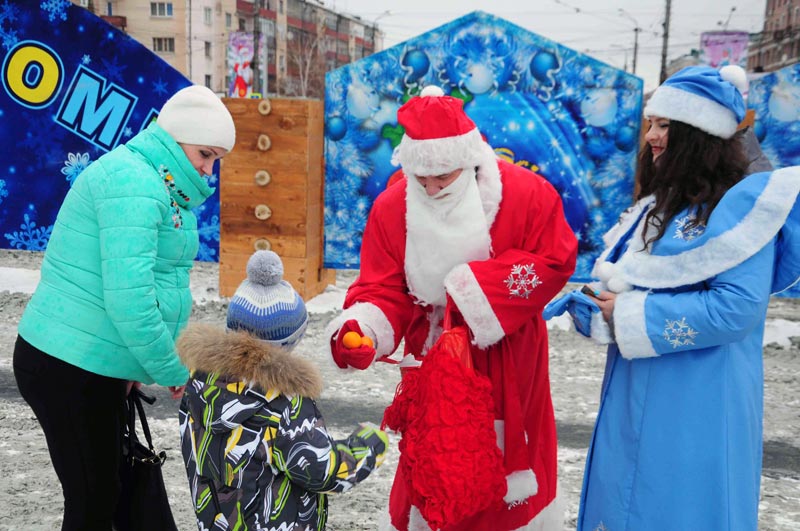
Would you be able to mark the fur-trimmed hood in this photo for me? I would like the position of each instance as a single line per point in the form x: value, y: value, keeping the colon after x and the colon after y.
x: 239, y: 355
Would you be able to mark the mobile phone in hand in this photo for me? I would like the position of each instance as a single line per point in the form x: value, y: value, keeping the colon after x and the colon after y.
x: 587, y: 290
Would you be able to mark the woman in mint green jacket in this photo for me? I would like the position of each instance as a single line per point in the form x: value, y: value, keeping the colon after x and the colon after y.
x: 114, y: 293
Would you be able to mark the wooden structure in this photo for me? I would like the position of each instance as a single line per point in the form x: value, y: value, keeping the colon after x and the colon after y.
x: 271, y: 192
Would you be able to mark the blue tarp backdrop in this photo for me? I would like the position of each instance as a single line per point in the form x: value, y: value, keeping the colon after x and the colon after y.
x: 571, y: 118
x: 73, y: 88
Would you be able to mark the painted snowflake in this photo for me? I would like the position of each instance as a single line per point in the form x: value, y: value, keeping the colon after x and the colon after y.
x: 74, y: 165
x: 3, y: 190
x: 522, y: 281
x: 8, y: 38
x: 29, y: 238
x: 601, y: 527
x: 687, y: 230
x: 8, y: 12
x: 679, y: 333
x: 55, y: 9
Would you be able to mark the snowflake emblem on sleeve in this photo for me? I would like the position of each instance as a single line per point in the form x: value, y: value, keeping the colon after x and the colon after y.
x: 522, y: 281
x: 679, y: 333
x: 686, y: 230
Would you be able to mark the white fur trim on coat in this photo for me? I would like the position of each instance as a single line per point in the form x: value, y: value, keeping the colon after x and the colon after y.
x: 599, y: 329
x: 721, y: 253
x: 437, y: 156
x: 369, y: 315
x: 463, y: 287
x: 550, y: 518
x: 602, y: 269
x: 490, y: 185
x: 682, y: 106
x: 521, y: 485
x: 630, y: 325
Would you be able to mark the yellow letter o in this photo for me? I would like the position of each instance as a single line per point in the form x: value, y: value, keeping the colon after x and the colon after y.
x: 32, y: 88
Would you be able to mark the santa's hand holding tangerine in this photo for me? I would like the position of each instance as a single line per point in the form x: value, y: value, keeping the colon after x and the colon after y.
x: 351, y: 347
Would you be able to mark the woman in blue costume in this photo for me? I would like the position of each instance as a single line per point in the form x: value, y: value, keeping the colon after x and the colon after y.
x: 685, y: 281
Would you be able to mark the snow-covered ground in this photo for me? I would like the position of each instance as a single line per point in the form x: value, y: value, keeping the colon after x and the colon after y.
x: 30, y: 496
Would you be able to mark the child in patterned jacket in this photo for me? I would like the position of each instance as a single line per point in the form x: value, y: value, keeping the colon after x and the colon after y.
x: 257, y: 453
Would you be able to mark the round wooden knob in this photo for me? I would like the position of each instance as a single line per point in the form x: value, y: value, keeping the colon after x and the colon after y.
x: 264, y: 107
x: 262, y: 177
x: 264, y: 143
x: 263, y: 212
x: 262, y: 244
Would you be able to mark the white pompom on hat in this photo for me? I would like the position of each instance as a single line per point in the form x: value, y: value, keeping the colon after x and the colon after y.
x: 439, y: 136
x: 708, y: 99
x: 195, y: 115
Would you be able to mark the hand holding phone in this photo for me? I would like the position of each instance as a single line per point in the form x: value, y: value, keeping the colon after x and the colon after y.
x: 587, y: 290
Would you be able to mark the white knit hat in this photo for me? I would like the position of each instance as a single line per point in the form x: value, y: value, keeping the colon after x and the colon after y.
x: 195, y: 115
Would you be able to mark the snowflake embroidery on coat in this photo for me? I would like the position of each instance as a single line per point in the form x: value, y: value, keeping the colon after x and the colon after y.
x: 601, y: 527
x: 522, y: 281
x: 169, y: 182
x: 686, y: 230
x: 679, y: 333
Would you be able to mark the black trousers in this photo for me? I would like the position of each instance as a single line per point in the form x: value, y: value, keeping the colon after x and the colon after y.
x: 82, y: 415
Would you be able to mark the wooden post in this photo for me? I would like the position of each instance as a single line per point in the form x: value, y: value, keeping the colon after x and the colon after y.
x: 271, y: 192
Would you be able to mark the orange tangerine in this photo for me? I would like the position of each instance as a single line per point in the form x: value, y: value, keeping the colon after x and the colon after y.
x: 352, y: 339
x: 366, y: 341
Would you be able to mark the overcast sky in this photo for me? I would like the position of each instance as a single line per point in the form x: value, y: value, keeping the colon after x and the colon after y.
x: 595, y: 27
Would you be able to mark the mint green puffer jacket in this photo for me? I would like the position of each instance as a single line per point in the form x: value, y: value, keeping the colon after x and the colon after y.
x: 114, y: 289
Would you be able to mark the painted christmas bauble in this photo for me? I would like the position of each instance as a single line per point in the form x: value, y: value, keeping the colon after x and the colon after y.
x: 626, y: 138
x: 541, y: 64
x: 418, y: 62
x: 335, y: 128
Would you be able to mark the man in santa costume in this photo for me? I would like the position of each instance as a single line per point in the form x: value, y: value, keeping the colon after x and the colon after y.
x: 491, y: 238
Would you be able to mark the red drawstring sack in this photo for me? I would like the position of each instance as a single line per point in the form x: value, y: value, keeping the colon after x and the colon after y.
x: 445, y: 412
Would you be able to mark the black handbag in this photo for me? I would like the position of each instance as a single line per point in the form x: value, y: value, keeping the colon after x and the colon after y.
x: 143, y: 503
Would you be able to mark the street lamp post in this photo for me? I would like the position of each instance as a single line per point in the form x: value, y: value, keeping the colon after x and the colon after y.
x: 375, y: 27
x: 636, y: 30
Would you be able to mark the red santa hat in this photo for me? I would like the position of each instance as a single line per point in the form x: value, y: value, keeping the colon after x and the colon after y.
x: 439, y: 136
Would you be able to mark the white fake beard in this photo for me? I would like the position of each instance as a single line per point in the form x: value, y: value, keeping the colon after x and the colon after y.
x: 443, y: 231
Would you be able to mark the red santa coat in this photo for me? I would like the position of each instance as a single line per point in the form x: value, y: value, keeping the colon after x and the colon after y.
x: 533, y: 253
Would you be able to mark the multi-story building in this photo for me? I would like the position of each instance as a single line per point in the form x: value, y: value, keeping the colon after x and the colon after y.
x: 303, y: 39
x: 778, y: 45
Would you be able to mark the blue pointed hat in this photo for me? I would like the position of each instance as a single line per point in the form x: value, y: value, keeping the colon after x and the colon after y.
x: 709, y: 99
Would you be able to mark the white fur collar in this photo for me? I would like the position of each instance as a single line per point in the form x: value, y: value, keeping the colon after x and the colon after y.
x: 718, y: 254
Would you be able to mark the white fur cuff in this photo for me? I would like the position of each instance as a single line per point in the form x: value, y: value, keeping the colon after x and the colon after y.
x: 600, y: 330
x: 630, y: 325
x: 369, y: 316
x: 522, y: 485
x: 463, y: 287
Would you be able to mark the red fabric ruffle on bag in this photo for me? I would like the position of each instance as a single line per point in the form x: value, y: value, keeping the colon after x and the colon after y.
x: 444, y: 410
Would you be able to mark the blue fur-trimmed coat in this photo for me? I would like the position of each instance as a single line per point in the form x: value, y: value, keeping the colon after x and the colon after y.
x: 678, y: 438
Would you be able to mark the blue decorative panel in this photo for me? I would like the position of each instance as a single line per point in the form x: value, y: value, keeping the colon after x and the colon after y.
x: 571, y: 118
x: 73, y: 88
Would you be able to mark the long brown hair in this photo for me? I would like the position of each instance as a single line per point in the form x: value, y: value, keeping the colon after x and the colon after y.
x: 695, y: 170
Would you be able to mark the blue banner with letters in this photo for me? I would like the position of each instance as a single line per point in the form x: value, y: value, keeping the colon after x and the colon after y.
x: 570, y: 118
x: 73, y: 88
